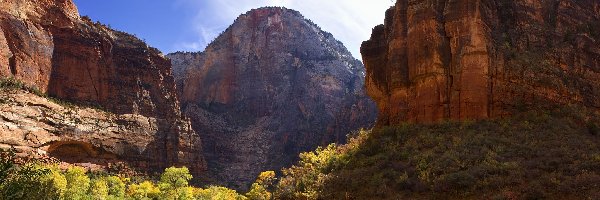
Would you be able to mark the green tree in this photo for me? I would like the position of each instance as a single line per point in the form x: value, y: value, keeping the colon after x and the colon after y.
x: 78, y: 183
x: 32, y: 181
x: 7, y: 163
x: 217, y: 193
x: 55, y: 184
x: 175, y: 177
x: 261, y: 188
x: 174, y: 183
x: 305, y: 180
x: 144, y: 191
x: 99, y: 189
x: 116, y: 187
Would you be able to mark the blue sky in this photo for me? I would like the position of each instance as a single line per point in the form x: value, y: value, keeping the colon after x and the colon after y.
x: 189, y: 25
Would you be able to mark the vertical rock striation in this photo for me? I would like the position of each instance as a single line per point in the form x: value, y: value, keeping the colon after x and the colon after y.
x: 46, y: 44
x: 458, y: 59
x: 272, y: 85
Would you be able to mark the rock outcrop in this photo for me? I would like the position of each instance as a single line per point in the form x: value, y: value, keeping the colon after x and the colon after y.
x: 269, y: 87
x: 457, y: 59
x: 46, y: 44
x: 36, y: 125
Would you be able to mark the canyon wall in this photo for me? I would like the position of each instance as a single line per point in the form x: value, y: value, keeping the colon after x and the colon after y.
x: 459, y: 60
x: 269, y: 87
x: 47, y: 45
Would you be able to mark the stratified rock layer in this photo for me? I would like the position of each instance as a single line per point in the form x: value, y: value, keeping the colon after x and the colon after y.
x: 458, y: 59
x: 33, y: 124
x: 271, y: 86
x: 46, y: 44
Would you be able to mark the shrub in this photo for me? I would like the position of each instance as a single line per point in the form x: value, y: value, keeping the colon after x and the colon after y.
x: 13, y: 83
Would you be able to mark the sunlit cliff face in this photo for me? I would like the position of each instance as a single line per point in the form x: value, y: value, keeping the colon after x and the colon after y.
x: 46, y: 45
x: 462, y: 60
x: 272, y: 85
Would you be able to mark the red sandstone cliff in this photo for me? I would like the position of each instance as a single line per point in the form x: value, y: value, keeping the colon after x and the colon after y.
x: 457, y: 59
x: 269, y: 87
x: 46, y: 44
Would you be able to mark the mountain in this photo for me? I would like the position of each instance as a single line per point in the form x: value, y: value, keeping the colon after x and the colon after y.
x: 47, y: 47
x: 483, y: 99
x: 483, y: 59
x: 270, y: 86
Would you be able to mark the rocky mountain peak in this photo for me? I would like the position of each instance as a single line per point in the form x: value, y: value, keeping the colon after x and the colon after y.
x: 271, y: 85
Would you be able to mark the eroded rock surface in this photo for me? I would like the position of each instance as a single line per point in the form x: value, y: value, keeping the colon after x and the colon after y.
x: 34, y: 124
x: 46, y: 44
x: 458, y: 59
x: 269, y: 87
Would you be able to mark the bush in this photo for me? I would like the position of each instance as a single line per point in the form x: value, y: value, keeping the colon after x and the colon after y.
x: 13, y: 83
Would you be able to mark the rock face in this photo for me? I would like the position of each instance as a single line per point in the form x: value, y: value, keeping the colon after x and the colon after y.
x: 46, y: 44
x: 272, y: 85
x: 458, y: 59
x: 34, y: 124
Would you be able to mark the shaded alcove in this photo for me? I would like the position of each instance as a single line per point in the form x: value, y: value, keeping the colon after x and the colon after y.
x: 80, y: 152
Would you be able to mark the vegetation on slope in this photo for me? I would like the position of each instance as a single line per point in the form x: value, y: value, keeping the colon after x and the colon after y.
x: 530, y: 156
x: 533, y: 155
x: 11, y: 83
x: 42, y: 179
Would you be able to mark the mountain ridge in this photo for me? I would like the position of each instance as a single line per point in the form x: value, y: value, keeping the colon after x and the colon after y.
x: 275, y: 84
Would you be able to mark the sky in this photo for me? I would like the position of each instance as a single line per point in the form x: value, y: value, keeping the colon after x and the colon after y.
x: 189, y: 25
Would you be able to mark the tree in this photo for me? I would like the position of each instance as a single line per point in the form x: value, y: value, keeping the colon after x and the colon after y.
x: 174, y: 183
x: 7, y: 163
x: 32, y: 181
x: 217, y: 193
x: 175, y: 177
x: 261, y: 189
x: 78, y: 183
x: 55, y: 184
x: 144, y: 191
x: 99, y: 189
x: 116, y: 187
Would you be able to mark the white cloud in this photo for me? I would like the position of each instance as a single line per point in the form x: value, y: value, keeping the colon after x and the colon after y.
x: 350, y: 21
